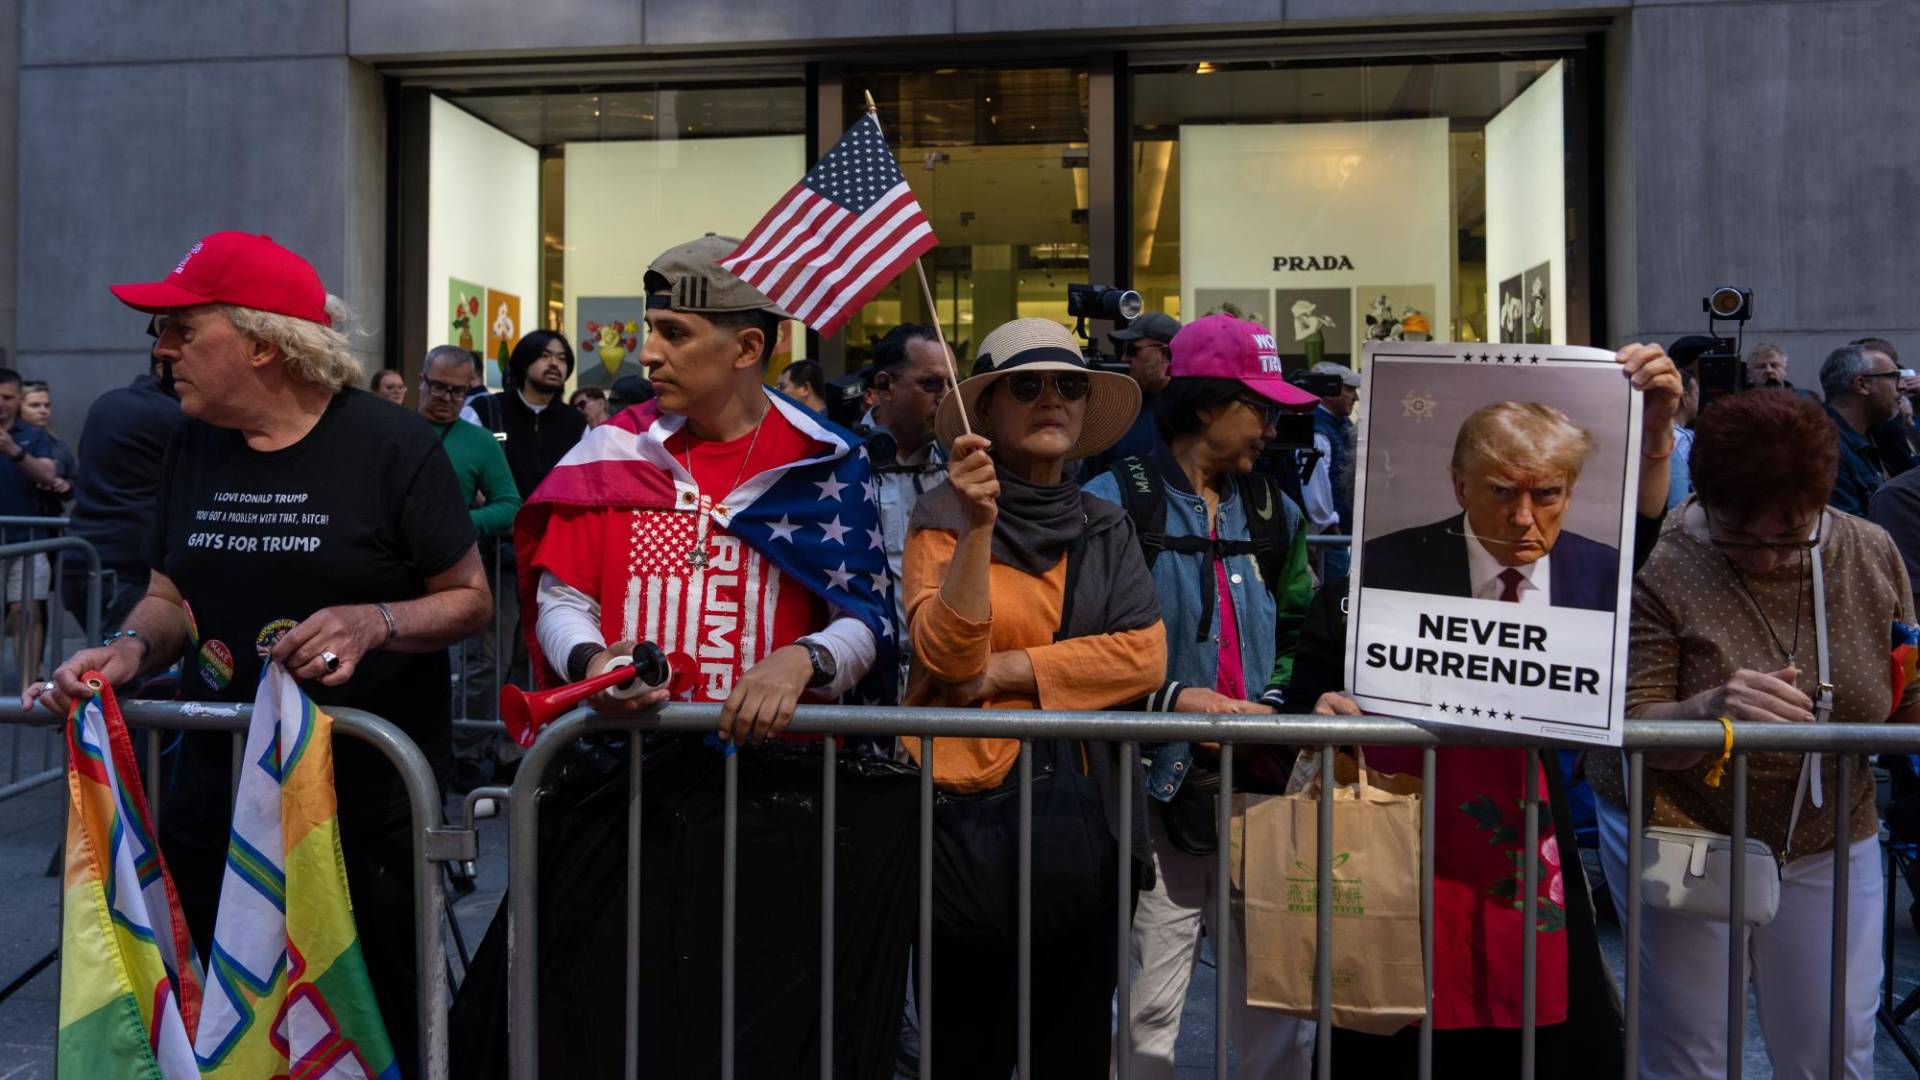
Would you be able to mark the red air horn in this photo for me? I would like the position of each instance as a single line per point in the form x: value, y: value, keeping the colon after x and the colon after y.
x: 525, y: 714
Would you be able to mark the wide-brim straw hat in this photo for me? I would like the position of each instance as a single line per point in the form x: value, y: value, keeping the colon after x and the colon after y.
x: 1037, y: 345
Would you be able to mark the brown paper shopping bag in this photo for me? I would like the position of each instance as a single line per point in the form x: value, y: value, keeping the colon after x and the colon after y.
x: 1377, y: 978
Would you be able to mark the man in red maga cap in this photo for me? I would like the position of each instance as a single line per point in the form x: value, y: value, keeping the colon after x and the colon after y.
x: 300, y: 520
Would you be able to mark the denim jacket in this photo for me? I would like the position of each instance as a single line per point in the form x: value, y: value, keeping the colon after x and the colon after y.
x: 1267, y: 626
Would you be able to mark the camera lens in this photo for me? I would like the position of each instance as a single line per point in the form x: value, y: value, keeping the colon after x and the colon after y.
x: 1128, y: 305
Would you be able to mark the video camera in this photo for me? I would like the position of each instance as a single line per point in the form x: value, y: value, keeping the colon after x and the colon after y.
x: 1318, y: 384
x: 1118, y: 306
x: 1718, y: 366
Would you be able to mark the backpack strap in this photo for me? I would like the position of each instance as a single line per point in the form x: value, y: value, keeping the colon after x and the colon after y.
x: 1267, y: 526
x: 1144, y: 496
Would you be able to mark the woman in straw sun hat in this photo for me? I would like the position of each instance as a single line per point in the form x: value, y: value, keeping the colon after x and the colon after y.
x: 1022, y: 592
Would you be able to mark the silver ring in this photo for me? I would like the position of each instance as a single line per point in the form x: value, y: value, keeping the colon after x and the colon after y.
x: 331, y: 660
x: 47, y: 687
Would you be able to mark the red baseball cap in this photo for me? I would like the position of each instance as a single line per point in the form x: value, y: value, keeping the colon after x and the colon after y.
x: 1223, y: 347
x: 240, y: 269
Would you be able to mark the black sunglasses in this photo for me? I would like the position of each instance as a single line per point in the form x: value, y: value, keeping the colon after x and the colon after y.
x: 1072, y: 386
x: 1269, y: 412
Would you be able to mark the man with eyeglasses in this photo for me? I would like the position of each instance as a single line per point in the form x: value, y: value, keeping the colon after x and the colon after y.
x: 1863, y: 392
x: 1145, y: 346
x: 910, y: 376
x: 488, y: 490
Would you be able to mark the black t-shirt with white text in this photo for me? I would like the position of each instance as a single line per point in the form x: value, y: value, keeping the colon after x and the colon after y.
x: 363, y: 509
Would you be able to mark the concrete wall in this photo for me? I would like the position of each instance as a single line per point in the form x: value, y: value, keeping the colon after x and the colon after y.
x: 1763, y: 143
x: 1768, y: 149
x: 143, y: 126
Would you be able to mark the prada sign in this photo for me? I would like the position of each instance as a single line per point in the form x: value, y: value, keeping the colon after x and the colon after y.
x: 1311, y: 262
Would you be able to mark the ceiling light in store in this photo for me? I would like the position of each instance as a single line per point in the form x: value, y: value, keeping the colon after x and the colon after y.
x: 1205, y: 67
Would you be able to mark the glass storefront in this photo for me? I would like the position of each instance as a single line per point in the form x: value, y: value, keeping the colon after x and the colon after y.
x: 1342, y: 203
x: 1333, y: 201
x: 548, y: 205
x: 998, y: 160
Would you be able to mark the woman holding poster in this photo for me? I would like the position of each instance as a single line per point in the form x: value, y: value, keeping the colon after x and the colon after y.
x: 1725, y: 624
x: 1477, y: 944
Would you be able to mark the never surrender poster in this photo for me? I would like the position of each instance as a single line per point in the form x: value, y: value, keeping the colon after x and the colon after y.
x: 1494, y: 501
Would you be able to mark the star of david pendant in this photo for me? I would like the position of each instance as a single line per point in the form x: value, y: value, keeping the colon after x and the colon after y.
x: 697, y: 558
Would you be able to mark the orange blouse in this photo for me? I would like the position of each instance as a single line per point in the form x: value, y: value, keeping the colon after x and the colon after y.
x: 949, y: 650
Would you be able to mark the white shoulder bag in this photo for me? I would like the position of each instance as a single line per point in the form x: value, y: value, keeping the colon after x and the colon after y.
x: 1690, y: 871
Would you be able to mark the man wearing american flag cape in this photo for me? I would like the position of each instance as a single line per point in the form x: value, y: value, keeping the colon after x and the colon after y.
x: 739, y: 532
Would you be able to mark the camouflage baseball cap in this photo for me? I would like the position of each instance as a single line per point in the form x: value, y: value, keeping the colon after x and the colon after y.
x: 693, y: 280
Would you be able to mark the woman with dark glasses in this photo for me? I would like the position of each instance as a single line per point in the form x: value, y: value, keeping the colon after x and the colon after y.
x: 1228, y: 554
x: 1023, y: 592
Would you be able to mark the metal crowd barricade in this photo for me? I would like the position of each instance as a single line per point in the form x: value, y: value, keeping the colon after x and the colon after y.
x: 433, y: 843
x: 28, y: 660
x: 1321, y: 733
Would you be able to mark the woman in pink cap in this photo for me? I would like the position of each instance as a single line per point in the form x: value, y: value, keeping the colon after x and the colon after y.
x: 1228, y: 555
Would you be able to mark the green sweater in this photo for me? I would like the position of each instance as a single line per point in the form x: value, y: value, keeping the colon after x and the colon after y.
x: 481, y: 465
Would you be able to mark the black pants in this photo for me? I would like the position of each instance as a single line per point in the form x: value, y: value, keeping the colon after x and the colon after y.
x: 380, y: 877
x: 129, y: 585
x: 583, y: 912
x: 976, y: 930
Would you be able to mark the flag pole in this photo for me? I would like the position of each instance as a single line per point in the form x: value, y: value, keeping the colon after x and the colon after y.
x: 933, y: 310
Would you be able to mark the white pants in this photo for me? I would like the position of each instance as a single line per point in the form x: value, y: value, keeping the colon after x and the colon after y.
x: 1166, y: 943
x: 1683, y: 968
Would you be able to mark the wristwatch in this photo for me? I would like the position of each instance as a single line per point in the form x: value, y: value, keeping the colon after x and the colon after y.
x: 824, y: 668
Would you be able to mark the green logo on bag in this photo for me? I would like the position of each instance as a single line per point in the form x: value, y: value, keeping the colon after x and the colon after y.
x: 1303, y: 890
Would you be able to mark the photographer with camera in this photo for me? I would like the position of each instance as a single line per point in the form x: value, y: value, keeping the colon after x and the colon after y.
x: 1145, y: 347
x: 1328, y: 491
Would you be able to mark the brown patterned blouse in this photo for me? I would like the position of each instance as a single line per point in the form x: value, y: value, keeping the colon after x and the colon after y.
x: 1694, y: 625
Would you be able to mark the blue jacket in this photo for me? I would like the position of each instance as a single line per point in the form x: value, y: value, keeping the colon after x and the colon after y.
x: 1336, y: 431
x: 1268, y: 626
x: 1859, y: 475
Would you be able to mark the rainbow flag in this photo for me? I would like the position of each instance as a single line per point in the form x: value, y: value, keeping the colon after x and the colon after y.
x: 286, y: 992
x: 129, y: 994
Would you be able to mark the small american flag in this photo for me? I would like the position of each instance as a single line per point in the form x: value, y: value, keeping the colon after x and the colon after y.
x: 839, y: 236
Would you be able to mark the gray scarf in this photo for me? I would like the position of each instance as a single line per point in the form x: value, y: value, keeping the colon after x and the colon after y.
x: 1037, y: 523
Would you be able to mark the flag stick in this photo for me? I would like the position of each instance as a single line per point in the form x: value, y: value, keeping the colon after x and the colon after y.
x: 933, y: 310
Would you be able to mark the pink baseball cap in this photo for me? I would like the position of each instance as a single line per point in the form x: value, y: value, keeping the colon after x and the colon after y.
x: 1223, y: 347
x: 235, y: 268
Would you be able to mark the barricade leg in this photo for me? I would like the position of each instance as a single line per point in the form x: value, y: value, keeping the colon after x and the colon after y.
x: 729, y: 909
x: 1427, y: 794
x: 1123, y: 903
x: 1024, y: 906
x: 923, y: 949
x: 1323, y: 920
x: 1636, y: 825
x: 1222, y: 915
x: 829, y: 810
x: 635, y: 761
x: 1842, y: 799
x: 1737, y: 927
x: 1530, y: 916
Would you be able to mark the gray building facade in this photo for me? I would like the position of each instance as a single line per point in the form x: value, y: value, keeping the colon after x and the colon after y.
x: 1752, y: 142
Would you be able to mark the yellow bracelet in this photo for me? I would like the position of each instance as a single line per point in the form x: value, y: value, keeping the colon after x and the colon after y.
x: 1726, y: 753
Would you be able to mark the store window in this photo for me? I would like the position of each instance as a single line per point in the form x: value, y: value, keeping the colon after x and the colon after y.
x: 998, y: 160
x: 1341, y: 203
x: 545, y: 206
